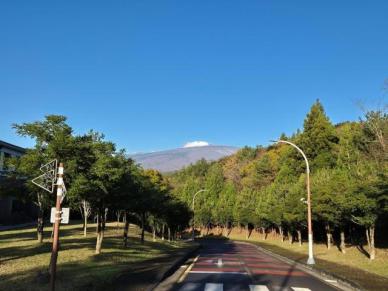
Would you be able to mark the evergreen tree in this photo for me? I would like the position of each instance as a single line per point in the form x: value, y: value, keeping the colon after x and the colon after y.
x: 318, y: 139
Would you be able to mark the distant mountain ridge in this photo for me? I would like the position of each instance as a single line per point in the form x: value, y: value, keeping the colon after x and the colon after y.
x: 176, y: 159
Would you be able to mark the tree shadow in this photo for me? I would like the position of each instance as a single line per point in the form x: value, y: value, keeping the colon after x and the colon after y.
x: 250, y: 230
x: 361, y: 249
x: 19, y: 252
x: 97, y: 272
x: 287, y: 278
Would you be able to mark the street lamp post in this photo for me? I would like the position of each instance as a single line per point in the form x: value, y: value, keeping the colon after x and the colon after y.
x: 193, y: 231
x: 310, y: 260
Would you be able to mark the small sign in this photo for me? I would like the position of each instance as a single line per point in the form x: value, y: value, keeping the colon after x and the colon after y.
x: 64, y: 215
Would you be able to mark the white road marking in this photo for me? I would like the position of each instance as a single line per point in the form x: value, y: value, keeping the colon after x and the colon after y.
x: 214, y: 287
x: 189, y: 286
x: 300, y: 289
x: 187, y: 270
x: 217, y: 272
x: 258, y: 288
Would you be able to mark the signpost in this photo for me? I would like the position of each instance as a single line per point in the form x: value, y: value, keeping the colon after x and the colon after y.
x: 47, y: 182
x: 64, y: 215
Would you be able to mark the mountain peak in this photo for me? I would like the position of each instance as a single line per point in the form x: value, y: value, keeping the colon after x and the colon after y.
x: 176, y: 159
x: 197, y: 143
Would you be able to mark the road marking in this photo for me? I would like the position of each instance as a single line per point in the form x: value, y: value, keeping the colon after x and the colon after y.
x: 217, y: 272
x: 187, y: 270
x: 215, y: 269
x: 258, y: 288
x: 278, y: 273
x: 300, y: 289
x: 214, y: 287
x: 189, y: 286
x: 268, y: 266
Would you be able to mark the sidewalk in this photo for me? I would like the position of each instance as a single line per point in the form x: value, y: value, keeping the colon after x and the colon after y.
x: 146, y: 275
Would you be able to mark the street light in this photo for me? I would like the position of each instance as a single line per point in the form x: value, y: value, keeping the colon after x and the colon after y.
x: 193, y: 232
x: 310, y: 260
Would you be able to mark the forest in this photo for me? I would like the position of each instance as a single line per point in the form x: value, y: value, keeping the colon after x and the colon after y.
x: 101, y: 181
x: 263, y: 189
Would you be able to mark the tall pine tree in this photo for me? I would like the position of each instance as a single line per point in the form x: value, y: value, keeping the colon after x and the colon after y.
x: 318, y: 138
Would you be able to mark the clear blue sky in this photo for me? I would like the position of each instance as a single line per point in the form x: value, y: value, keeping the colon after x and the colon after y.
x: 154, y: 75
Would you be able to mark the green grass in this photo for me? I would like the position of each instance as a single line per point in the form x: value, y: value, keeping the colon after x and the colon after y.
x: 353, y: 266
x: 24, y: 261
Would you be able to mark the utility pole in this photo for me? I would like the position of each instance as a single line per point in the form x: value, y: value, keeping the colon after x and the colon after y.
x: 58, y: 213
x: 310, y: 260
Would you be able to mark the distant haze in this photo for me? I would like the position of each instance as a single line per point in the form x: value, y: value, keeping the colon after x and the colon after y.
x: 176, y: 159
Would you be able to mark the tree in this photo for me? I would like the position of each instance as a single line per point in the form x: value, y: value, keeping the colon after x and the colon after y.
x: 318, y: 138
x: 84, y: 157
x: 333, y: 196
x: 53, y: 140
x: 372, y: 193
x: 295, y: 208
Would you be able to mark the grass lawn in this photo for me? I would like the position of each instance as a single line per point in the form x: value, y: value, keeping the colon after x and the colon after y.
x: 353, y: 266
x: 24, y: 261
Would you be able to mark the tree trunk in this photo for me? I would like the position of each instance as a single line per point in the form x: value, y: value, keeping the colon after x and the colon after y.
x: 372, y: 250
x: 153, y: 232
x: 342, y: 245
x: 263, y: 233
x: 290, y: 238
x: 85, y: 225
x: 105, y: 216
x: 169, y: 233
x: 163, y: 231
x: 367, y: 237
x: 81, y: 210
x: 100, y: 232
x: 85, y: 213
x: 247, y: 232
x: 126, y: 228
x: 299, y: 237
x: 40, y: 226
x: 281, y: 232
x: 142, y: 227
x: 328, y: 236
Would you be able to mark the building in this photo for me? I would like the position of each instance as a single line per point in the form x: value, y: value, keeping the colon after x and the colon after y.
x: 8, y: 150
x: 8, y: 205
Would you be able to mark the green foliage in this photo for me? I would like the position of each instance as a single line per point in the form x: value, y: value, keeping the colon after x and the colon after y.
x: 318, y: 138
x: 267, y: 187
x: 96, y: 172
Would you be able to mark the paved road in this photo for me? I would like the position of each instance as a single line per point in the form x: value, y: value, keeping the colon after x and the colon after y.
x: 228, y: 266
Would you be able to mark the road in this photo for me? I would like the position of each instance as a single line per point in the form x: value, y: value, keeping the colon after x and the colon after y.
x: 224, y: 265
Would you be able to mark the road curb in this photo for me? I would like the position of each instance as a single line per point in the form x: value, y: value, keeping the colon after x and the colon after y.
x: 320, y: 274
x: 176, y: 264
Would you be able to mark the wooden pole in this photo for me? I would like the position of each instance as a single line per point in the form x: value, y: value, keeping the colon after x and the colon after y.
x: 58, y: 213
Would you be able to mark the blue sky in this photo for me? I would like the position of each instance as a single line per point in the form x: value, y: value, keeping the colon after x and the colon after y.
x: 154, y: 75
